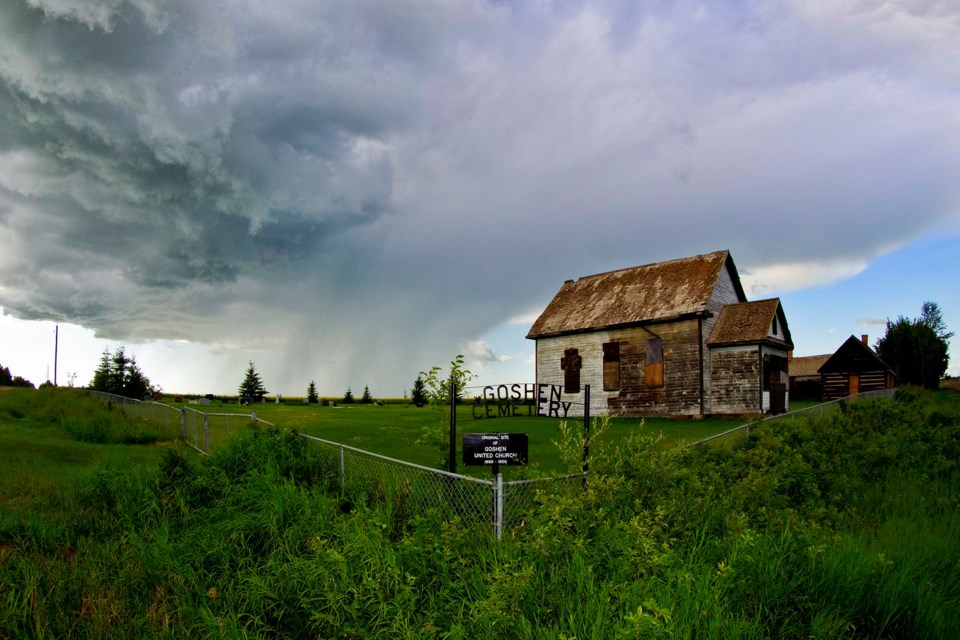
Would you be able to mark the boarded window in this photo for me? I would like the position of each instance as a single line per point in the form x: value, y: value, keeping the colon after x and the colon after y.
x: 654, y: 368
x: 571, y: 363
x: 611, y: 366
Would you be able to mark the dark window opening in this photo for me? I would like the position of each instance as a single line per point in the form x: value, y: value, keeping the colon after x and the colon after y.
x: 774, y: 371
x: 611, y: 366
x: 571, y: 363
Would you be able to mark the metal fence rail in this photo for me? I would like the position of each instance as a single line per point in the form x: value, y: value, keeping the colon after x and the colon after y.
x: 202, y: 431
x: 817, y: 410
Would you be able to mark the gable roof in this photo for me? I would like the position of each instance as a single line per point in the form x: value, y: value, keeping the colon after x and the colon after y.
x: 807, y: 366
x: 749, y: 323
x: 637, y: 295
x: 853, y: 357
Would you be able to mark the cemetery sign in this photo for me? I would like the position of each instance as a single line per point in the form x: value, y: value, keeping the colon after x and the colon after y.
x: 494, y: 449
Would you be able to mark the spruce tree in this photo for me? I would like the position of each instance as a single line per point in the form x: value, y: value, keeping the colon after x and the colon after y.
x: 419, y: 394
x: 312, y: 396
x: 348, y: 397
x: 119, y: 370
x: 366, y: 398
x: 121, y: 375
x: 135, y: 384
x: 102, y: 376
x: 252, y: 386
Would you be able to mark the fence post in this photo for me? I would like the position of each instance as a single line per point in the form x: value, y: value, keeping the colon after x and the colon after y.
x: 452, y: 466
x: 206, y: 433
x: 343, y: 469
x: 183, y: 422
x: 586, y: 433
x: 498, y: 510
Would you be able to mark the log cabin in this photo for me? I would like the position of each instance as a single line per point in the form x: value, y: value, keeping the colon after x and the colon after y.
x: 854, y: 368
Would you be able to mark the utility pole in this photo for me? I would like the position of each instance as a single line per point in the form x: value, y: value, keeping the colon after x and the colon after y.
x: 56, y: 346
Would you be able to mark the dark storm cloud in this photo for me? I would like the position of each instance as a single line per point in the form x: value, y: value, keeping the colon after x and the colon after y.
x: 361, y: 187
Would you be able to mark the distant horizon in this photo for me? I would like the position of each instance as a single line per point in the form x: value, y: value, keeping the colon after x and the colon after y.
x: 353, y: 193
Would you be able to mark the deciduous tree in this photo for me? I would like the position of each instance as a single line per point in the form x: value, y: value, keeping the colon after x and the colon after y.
x: 438, y: 389
x: 917, y: 350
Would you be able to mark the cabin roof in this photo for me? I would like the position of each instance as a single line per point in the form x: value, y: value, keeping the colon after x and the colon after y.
x: 750, y: 322
x: 807, y: 366
x: 637, y: 295
x: 854, y: 356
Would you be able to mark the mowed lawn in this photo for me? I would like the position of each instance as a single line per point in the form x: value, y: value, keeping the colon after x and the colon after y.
x: 398, y: 430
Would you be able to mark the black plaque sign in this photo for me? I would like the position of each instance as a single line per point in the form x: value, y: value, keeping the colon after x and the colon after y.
x: 494, y: 449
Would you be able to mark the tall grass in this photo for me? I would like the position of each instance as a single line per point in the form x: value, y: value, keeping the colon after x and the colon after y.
x: 828, y: 529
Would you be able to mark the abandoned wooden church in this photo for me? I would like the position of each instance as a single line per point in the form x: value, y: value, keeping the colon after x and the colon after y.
x: 674, y: 338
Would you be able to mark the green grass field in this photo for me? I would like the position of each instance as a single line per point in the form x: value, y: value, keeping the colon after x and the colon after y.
x: 841, y: 526
x: 394, y: 430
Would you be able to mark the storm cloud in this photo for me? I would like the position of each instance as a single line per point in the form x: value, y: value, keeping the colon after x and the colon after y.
x: 357, y: 190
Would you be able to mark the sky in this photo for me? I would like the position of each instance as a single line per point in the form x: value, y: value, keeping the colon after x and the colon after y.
x: 353, y: 192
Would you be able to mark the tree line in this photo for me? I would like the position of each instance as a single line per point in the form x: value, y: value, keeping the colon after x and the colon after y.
x: 119, y: 374
x: 9, y: 380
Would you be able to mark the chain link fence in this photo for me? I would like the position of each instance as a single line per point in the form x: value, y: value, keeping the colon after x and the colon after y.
x: 417, y: 489
x: 202, y: 431
x: 412, y: 488
x: 741, y: 434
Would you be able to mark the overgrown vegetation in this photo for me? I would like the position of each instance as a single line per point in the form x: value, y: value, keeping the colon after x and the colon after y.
x: 438, y: 389
x: 844, y: 526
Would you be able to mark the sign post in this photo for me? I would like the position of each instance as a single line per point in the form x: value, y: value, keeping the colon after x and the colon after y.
x: 492, y: 450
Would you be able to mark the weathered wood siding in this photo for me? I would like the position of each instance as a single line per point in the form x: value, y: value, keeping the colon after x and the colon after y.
x: 590, y: 350
x: 735, y: 380
x: 725, y: 293
x: 679, y: 395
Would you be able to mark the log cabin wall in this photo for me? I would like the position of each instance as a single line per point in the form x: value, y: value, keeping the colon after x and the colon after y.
x: 837, y: 385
